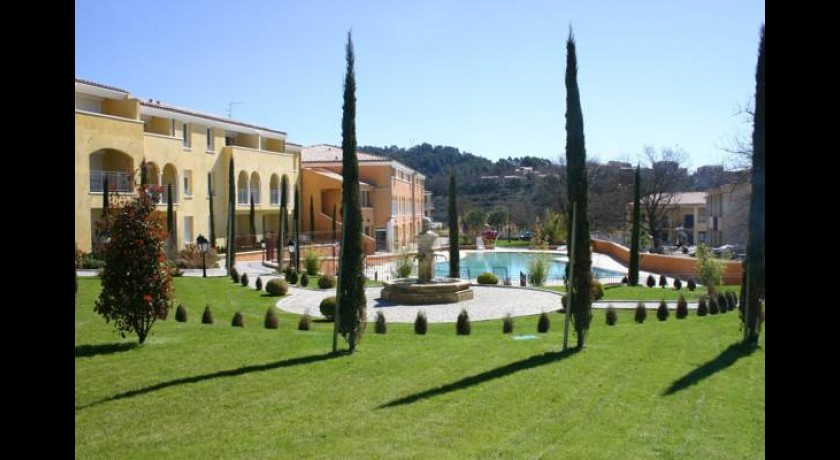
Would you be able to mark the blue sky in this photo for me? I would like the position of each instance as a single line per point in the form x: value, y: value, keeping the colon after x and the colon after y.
x: 483, y: 76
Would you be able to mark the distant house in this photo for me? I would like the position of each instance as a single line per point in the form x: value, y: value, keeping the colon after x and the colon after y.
x: 729, y: 207
x: 685, y: 220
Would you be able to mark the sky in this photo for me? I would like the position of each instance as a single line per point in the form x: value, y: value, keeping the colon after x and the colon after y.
x: 486, y: 77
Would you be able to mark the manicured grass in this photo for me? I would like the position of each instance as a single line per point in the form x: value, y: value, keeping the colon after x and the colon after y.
x: 673, y: 389
x: 501, y: 242
x: 645, y: 293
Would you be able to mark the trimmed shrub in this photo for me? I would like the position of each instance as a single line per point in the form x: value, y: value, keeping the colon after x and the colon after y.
x: 651, y: 281
x: 421, y: 324
x: 276, y: 286
x: 507, y: 324
x: 731, y: 300
x: 292, y: 277
x: 271, y: 321
x: 287, y: 272
x: 244, y: 280
x: 304, y: 279
x: 723, y: 304
x: 702, y: 307
x: 234, y: 275
x: 624, y: 280
x: 312, y: 263
x: 181, y: 314
x: 327, y: 307
x: 691, y: 284
x: 677, y: 284
x: 305, y: 320
x: 682, y: 307
x: 611, y: 316
x: 207, y: 316
x: 544, y: 324
x: 662, y: 312
x: 487, y: 278
x: 238, y: 320
x: 463, y: 327
x: 663, y: 282
x: 641, y: 313
x: 258, y: 284
x: 714, y: 308
x: 326, y: 281
x: 597, y: 290
x: 379, y: 325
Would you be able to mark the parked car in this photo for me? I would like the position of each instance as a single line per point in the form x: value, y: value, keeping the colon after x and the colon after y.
x: 526, y: 235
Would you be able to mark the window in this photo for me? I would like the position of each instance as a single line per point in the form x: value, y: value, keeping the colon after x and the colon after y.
x: 188, y: 230
x: 210, y: 143
x: 185, y: 133
x: 365, y: 199
x: 394, y: 207
x: 187, y: 182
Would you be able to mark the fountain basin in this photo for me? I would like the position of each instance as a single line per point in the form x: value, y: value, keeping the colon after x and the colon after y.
x: 411, y: 291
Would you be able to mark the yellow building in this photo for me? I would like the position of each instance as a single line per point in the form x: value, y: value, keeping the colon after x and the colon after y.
x: 684, y: 218
x: 729, y: 210
x: 392, y: 198
x: 116, y: 132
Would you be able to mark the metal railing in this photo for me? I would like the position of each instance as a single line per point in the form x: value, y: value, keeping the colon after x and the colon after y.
x: 117, y: 181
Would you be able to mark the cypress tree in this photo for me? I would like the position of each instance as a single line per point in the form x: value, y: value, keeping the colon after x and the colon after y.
x: 170, y: 224
x: 351, y: 282
x: 252, y: 220
x: 311, y: 216
x: 283, y: 224
x: 143, y: 178
x: 454, y: 252
x: 635, y: 239
x: 755, y: 267
x: 297, y: 227
x: 334, y: 233
x: 212, y: 218
x: 231, y: 237
x: 578, y: 188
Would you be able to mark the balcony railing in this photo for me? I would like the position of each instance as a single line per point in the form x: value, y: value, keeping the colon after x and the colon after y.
x: 273, y: 196
x: 117, y: 181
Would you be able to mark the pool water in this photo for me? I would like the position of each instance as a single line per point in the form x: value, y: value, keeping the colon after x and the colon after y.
x: 514, y: 262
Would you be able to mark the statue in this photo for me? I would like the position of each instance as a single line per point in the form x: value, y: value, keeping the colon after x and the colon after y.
x: 425, y: 255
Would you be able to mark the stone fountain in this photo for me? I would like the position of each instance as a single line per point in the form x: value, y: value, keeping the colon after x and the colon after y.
x: 426, y: 289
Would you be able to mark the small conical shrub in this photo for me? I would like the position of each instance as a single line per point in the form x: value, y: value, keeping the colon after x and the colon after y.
x: 507, y: 324
x: 624, y: 280
x: 702, y: 307
x: 463, y: 327
x: 662, y: 312
x: 258, y: 284
x: 731, y: 300
x: 238, y: 320
x: 421, y: 324
x: 641, y: 313
x: 234, y: 275
x: 677, y: 284
x: 207, y: 317
x: 611, y: 316
x: 244, y: 279
x: 303, y: 324
x: 271, y: 321
x: 682, y: 307
x: 691, y: 284
x: 181, y: 314
x: 663, y: 282
x: 651, y: 281
x: 714, y: 308
x: 304, y: 279
x: 544, y: 324
x: 723, y: 304
x: 379, y: 325
x: 292, y: 277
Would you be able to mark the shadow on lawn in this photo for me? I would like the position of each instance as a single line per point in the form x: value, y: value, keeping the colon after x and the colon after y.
x: 528, y: 363
x: 227, y: 373
x: 86, y: 351
x: 725, y: 359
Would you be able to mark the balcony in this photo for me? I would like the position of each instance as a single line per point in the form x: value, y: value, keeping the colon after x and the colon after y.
x: 117, y: 181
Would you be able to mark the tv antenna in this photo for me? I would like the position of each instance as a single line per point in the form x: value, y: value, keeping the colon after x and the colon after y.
x: 230, y: 107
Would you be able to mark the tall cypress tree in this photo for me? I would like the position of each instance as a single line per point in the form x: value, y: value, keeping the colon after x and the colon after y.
x: 231, y: 237
x: 311, y: 216
x: 105, y: 197
x: 454, y: 250
x: 170, y: 224
x: 351, y: 296
x: 578, y: 189
x: 143, y: 173
x: 212, y: 218
x: 297, y: 228
x: 252, y: 220
x: 334, y: 233
x: 635, y: 239
x: 756, y: 239
x: 282, y: 225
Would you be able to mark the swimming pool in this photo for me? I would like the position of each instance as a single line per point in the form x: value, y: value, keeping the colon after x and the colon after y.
x: 476, y: 263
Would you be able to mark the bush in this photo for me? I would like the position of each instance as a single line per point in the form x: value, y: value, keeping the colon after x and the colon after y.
x: 271, y: 321
x: 207, y: 316
x: 662, y: 312
x: 651, y: 281
x: 191, y: 257
x: 234, y: 275
x: 173, y: 268
x: 304, y: 279
x: 597, y: 290
x: 462, y: 327
x: 714, y: 308
x: 305, y: 320
x: 544, y: 324
x: 663, y: 282
x: 292, y: 277
x: 612, y: 317
x: 723, y: 304
x: 276, y: 286
x: 404, y: 264
x: 731, y: 300
x: 244, y: 279
x: 702, y: 307
x: 287, y: 272
x: 327, y: 307
x: 708, y: 268
x: 181, y: 314
x: 379, y: 326
x: 326, y: 281
x: 677, y: 284
x: 312, y: 263
x: 258, y: 284
x: 624, y: 280
x: 507, y: 324
x: 238, y: 320
x: 538, y: 270
x: 691, y: 284
x: 421, y: 324
x: 641, y: 313
x: 487, y: 278
x: 682, y: 307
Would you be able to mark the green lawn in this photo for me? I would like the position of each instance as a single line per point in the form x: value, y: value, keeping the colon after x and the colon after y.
x: 502, y: 242
x: 645, y: 293
x: 673, y: 389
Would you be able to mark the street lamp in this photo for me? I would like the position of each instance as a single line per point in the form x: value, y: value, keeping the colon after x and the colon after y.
x: 262, y: 245
x: 292, y: 252
x: 203, y: 246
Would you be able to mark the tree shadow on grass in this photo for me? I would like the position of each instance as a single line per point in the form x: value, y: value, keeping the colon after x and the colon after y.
x: 86, y: 351
x: 528, y: 363
x: 226, y: 373
x: 725, y: 359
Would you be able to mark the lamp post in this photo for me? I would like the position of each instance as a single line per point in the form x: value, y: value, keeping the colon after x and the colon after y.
x: 292, y: 252
x: 203, y: 246
x: 262, y: 245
